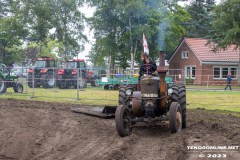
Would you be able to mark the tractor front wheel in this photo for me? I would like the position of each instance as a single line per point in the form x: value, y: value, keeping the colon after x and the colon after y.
x: 18, y: 88
x: 175, y: 117
x: 123, y: 121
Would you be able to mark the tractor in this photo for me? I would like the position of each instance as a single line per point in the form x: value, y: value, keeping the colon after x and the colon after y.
x: 152, y: 101
x: 73, y: 74
x: 43, y: 73
x: 8, y: 79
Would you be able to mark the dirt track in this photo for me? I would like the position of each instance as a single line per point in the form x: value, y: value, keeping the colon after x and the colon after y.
x: 50, y: 131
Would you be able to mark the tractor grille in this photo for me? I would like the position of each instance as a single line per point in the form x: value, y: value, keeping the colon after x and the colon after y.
x: 150, y: 87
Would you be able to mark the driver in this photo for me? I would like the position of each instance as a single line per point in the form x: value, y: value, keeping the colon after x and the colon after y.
x: 148, y: 67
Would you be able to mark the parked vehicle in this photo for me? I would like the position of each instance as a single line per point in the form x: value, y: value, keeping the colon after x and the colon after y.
x: 9, y: 79
x: 73, y: 74
x: 43, y: 73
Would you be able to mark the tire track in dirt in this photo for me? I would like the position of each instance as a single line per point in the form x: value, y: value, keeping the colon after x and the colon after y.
x: 42, y: 131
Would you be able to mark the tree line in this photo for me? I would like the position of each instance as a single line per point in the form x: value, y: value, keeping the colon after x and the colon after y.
x: 30, y: 28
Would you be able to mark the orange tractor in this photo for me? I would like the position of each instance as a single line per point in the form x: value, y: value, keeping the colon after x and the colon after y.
x: 153, y: 101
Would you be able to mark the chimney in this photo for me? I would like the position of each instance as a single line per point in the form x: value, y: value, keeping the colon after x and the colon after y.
x: 161, y: 68
x: 162, y: 71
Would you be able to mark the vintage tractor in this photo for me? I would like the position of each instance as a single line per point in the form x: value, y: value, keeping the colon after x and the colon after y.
x: 8, y: 79
x: 43, y: 73
x: 153, y: 101
x: 73, y: 74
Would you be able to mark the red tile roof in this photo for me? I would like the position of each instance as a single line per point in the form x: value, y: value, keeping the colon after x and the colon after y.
x: 205, y: 52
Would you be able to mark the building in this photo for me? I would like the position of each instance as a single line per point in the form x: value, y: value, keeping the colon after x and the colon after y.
x: 197, y: 62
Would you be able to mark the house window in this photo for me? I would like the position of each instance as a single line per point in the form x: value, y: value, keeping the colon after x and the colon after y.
x: 234, y: 72
x: 222, y: 72
x: 216, y: 72
x: 190, y: 72
x: 184, y: 54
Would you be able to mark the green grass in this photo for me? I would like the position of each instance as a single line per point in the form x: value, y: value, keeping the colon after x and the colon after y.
x: 214, y: 100
x: 210, y: 100
x: 88, y: 96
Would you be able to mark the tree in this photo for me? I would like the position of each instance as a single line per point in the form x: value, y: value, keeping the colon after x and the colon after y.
x: 11, y: 35
x: 69, y: 24
x: 119, y: 26
x: 53, y: 20
x: 201, y: 17
x: 226, y: 27
x: 226, y: 24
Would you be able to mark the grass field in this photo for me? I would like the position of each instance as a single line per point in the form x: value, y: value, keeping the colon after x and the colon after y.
x: 200, y: 98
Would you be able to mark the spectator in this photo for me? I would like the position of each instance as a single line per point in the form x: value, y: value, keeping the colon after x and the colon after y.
x: 229, y: 80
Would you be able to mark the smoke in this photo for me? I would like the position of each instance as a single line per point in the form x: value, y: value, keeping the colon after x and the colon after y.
x: 163, y: 28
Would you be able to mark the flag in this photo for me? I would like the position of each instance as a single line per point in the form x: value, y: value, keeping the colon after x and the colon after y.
x: 145, y: 45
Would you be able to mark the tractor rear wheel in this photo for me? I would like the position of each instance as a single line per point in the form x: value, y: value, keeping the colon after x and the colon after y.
x: 175, y: 117
x: 182, y: 101
x: 3, y: 87
x: 18, y: 88
x: 123, y: 121
x: 81, y: 82
x: 48, y: 80
x: 179, y: 95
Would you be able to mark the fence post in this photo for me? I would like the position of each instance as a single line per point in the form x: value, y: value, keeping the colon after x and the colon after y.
x: 183, y: 76
x: 78, y: 70
x: 208, y: 81
x: 33, y: 83
x: 27, y: 82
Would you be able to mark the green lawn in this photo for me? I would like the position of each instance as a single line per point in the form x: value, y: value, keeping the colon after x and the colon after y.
x: 210, y: 100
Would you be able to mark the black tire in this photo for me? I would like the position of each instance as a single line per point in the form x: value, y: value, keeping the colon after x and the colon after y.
x: 82, y: 83
x: 62, y: 84
x: 116, y: 87
x: 30, y: 84
x: 111, y: 87
x: 18, y: 88
x: 179, y: 95
x: 175, y: 122
x: 93, y: 83
x: 3, y: 87
x: 122, y: 96
x: 123, y: 121
x: 48, y: 80
x: 182, y: 102
x: 106, y: 87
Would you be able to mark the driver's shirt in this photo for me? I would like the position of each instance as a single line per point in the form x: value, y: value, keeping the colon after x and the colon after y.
x: 147, y: 68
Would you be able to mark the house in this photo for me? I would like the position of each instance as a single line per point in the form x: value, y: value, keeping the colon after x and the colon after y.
x: 196, y: 61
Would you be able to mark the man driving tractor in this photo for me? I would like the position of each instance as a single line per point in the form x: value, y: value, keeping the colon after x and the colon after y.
x: 148, y: 67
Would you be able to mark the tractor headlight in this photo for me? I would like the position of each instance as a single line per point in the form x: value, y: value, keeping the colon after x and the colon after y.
x: 170, y: 91
x: 128, y: 92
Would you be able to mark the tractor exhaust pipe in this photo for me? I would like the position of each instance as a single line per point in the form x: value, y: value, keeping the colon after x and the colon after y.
x: 162, y: 71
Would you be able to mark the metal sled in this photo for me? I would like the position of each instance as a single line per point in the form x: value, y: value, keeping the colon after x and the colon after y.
x: 98, y: 111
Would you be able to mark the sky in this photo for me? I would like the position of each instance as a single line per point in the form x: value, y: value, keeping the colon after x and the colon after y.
x: 88, y: 11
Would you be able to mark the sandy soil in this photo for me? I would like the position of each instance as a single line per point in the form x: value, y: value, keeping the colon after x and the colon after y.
x: 31, y: 130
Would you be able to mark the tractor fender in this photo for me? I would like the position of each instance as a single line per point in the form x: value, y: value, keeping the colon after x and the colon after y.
x: 136, y: 103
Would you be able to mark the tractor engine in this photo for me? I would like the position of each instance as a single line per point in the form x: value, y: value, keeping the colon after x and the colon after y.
x: 149, y: 95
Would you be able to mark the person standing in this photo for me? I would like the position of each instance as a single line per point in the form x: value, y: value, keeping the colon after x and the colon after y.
x: 229, y: 80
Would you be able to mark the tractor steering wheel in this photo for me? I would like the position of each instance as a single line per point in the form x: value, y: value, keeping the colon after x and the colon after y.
x: 146, y: 69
